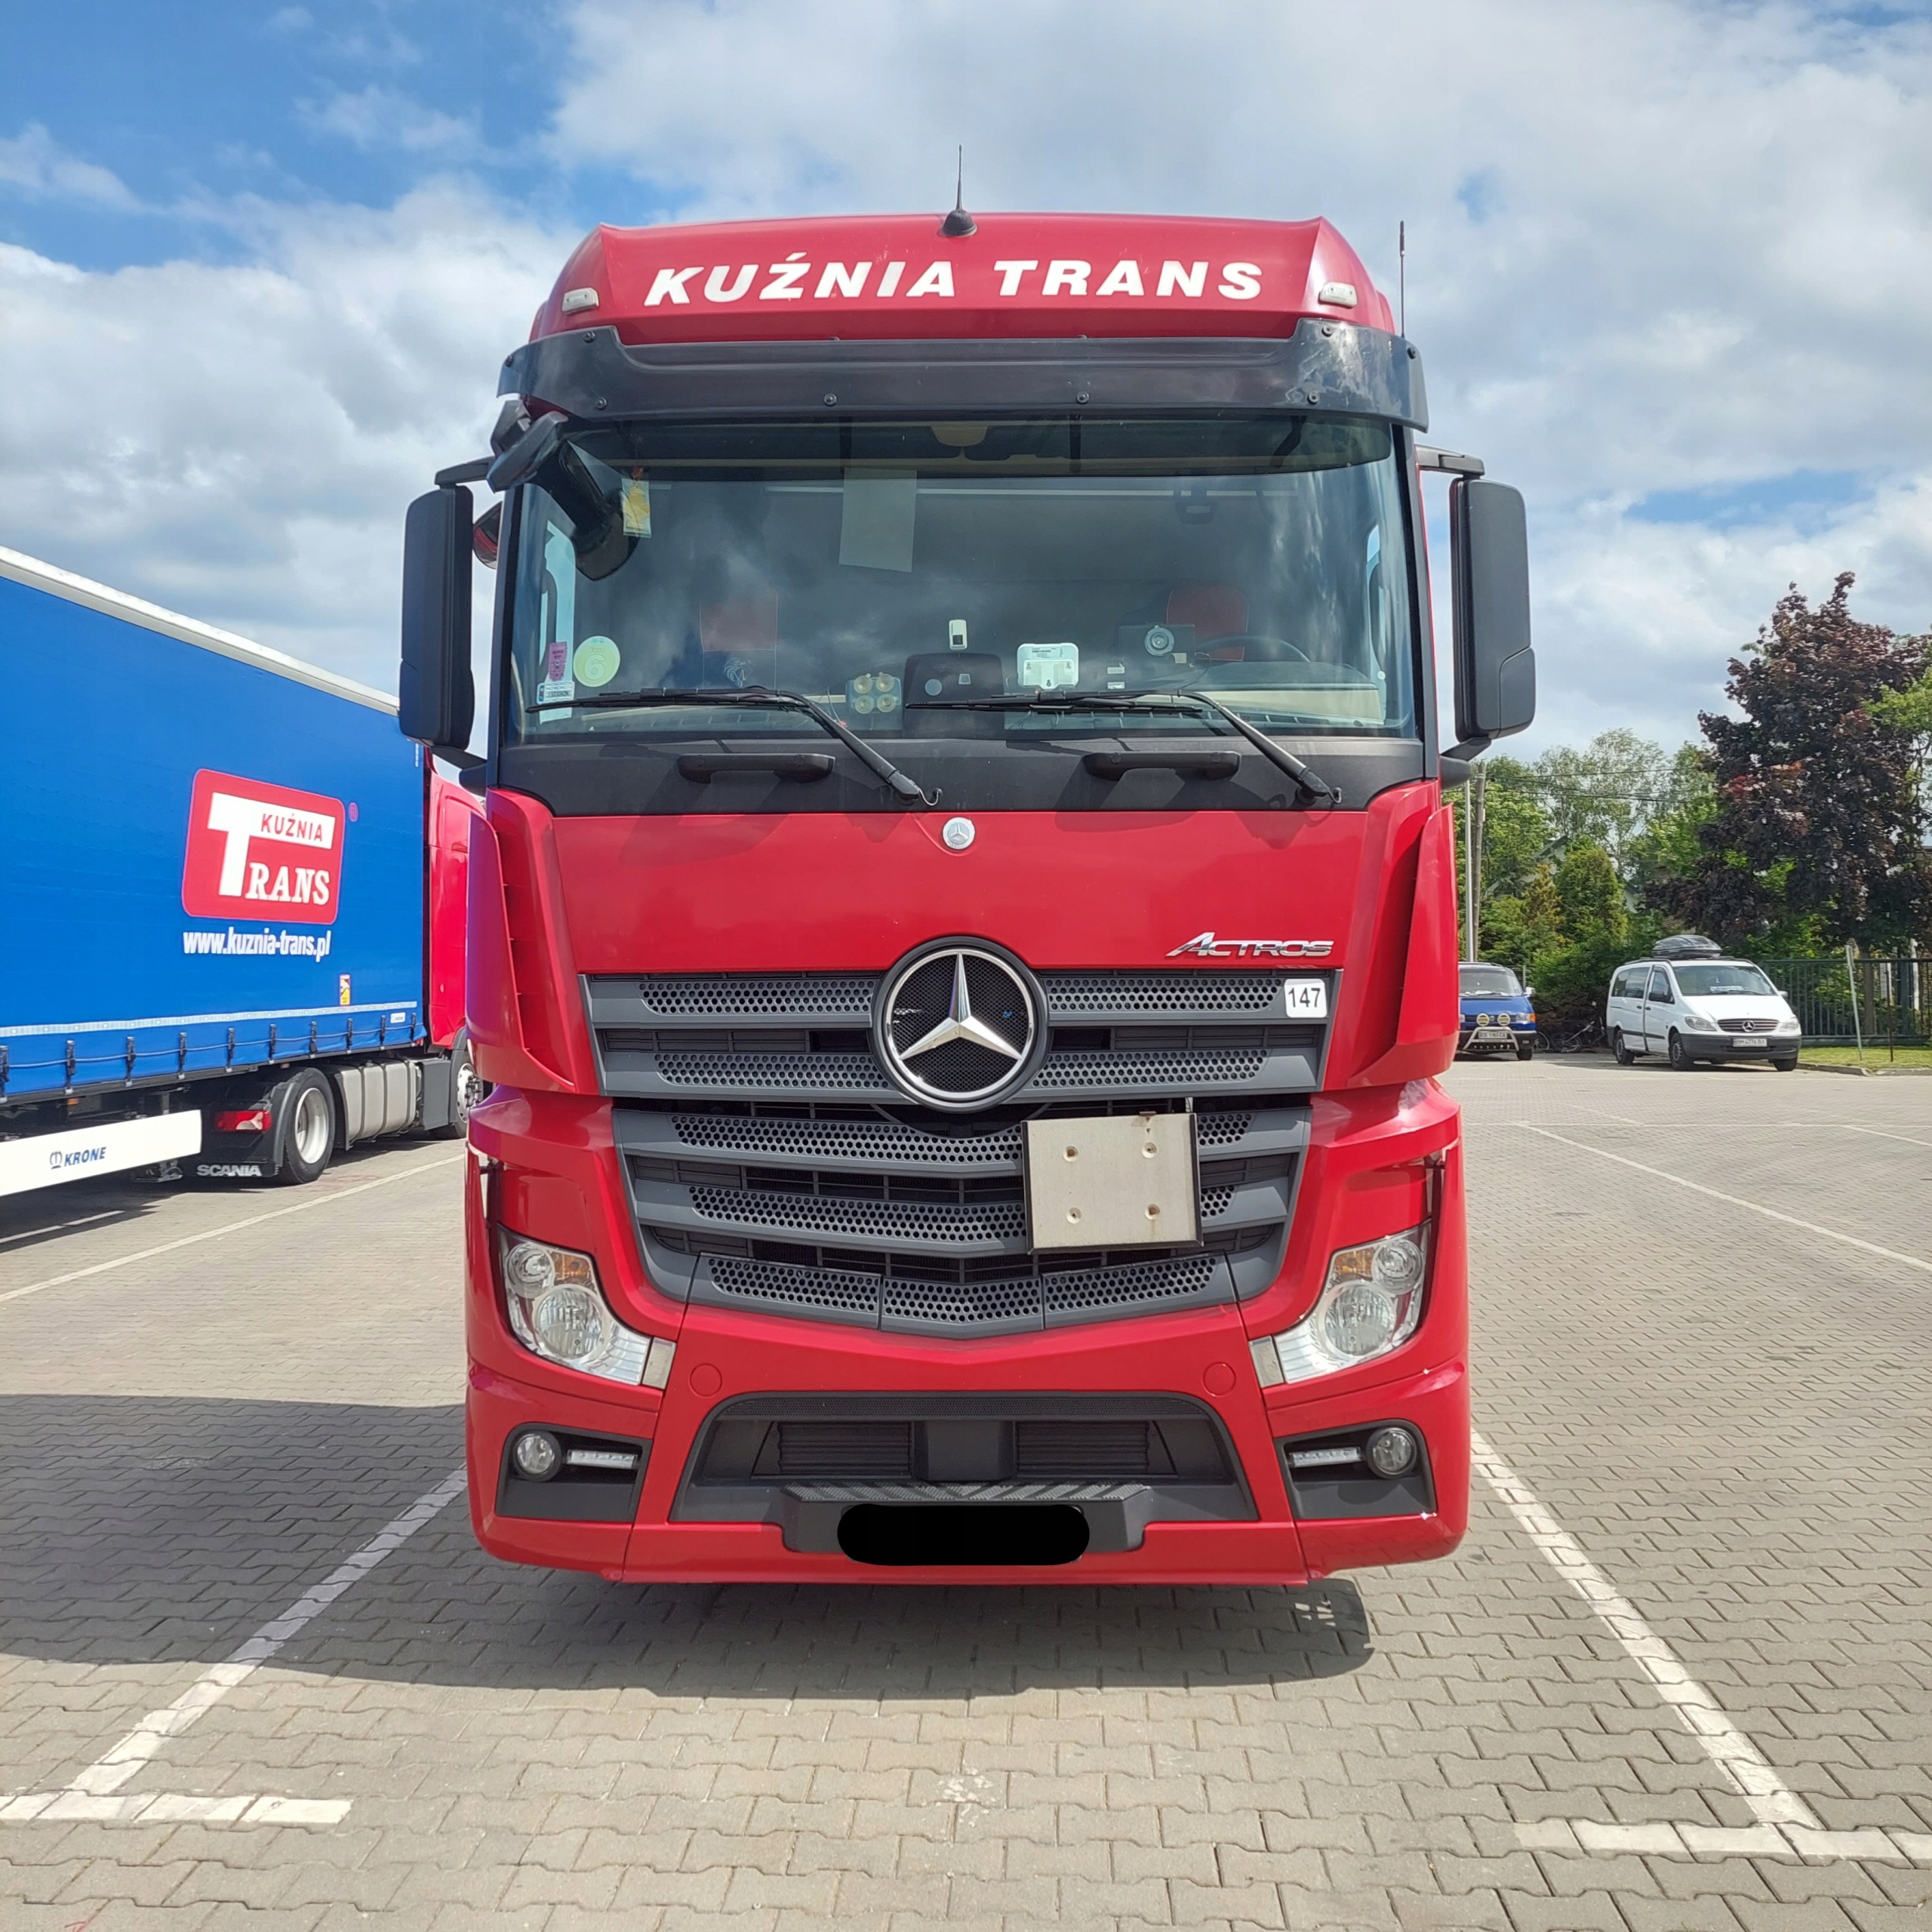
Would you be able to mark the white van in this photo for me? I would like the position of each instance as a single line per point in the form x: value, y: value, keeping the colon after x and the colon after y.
x: 1690, y: 1003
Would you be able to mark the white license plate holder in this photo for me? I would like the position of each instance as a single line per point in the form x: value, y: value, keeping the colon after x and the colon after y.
x: 1116, y: 1180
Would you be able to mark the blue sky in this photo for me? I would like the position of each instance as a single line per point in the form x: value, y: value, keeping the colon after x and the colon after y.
x: 1670, y: 260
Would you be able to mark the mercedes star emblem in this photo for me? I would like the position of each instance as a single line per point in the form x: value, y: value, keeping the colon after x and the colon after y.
x: 958, y: 1024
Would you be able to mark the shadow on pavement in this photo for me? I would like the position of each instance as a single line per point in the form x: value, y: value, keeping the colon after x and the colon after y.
x: 137, y: 1530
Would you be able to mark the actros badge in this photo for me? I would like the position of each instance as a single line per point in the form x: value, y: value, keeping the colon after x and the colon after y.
x: 1205, y: 945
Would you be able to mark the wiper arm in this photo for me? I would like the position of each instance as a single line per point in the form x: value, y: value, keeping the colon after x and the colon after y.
x: 1311, y: 786
x: 903, y: 787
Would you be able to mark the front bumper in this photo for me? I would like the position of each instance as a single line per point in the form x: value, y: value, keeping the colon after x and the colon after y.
x: 690, y: 1521
x: 1740, y: 1046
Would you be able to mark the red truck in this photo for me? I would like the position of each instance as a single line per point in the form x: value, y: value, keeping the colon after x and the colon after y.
x: 964, y: 931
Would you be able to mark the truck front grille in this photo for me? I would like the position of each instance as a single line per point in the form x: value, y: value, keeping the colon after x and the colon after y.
x: 773, y: 1166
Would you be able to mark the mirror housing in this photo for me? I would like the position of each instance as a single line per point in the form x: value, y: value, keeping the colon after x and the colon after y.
x: 1496, y: 666
x: 436, y: 694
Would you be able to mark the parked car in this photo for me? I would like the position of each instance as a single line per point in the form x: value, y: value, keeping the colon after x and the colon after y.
x: 1690, y: 1003
x: 1496, y: 1012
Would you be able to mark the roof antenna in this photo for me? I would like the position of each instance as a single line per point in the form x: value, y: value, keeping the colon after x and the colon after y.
x: 1402, y: 278
x: 959, y: 222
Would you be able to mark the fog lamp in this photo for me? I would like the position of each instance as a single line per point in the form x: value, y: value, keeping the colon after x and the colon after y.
x: 1390, y: 1452
x: 536, y: 1455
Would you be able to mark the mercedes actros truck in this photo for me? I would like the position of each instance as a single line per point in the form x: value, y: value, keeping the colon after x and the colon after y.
x: 963, y: 938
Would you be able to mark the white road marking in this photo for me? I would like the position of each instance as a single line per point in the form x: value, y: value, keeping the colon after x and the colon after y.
x: 1911, y: 1140
x: 1662, y: 1839
x: 91, y: 1794
x: 1732, y: 1200
x: 1744, y: 1766
x: 227, y: 1228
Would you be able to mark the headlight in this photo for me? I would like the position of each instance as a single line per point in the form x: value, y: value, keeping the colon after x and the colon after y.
x: 558, y: 1312
x: 1369, y: 1305
x: 1697, y: 1023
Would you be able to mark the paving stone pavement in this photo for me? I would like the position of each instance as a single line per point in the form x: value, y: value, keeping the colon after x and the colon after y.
x: 1727, y: 1412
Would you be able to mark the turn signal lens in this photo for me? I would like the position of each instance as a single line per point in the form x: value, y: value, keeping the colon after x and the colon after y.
x: 1370, y: 1305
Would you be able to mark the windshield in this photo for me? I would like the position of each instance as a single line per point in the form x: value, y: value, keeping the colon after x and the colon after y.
x: 898, y: 573
x: 1489, y: 983
x: 1708, y: 982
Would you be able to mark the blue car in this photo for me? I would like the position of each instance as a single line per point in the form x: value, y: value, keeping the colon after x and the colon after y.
x: 1496, y: 1012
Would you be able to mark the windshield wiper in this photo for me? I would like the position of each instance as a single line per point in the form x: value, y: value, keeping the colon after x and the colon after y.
x: 907, y: 789
x: 1125, y: 704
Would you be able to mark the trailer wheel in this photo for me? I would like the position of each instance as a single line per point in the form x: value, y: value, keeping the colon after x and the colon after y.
x: 306, y: 1125
x: 468, y: 1089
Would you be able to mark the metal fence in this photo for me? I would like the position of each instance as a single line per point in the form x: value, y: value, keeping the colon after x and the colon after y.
x: 1894, y: 1004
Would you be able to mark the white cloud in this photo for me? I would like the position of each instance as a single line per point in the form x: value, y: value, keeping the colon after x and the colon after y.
x: 380, y: 117
x: 240, y: 442
x: 1652, y: 246
x: 33, y: 164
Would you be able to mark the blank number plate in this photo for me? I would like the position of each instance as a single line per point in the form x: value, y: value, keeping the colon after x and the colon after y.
x: 1125, y: 1180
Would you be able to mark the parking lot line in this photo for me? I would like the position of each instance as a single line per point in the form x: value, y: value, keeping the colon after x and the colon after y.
x: 1744, y: 1766
x: 227, y: 1228
x: 91, y: 1794
x: 1910, y: 1139
x: 1787, y: 1826
x: 1756, y: 1206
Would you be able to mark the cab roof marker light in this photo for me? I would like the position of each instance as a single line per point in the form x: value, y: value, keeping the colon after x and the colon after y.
x: 1337, y: 294
x: 578, y: 299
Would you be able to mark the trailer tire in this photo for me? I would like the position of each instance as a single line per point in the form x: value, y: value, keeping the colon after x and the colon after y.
x: 467, y: 1089
x: 306, y: 1127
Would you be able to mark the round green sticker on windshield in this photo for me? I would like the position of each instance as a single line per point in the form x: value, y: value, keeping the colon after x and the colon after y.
x: 595, y: 662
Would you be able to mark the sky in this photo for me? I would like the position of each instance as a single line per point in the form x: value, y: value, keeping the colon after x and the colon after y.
x: 1669, y: 263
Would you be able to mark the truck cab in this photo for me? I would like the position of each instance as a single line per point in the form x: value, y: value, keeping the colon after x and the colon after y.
x: 962, y: 936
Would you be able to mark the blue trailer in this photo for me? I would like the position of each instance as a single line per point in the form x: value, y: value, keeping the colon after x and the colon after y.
x: 214, y: 894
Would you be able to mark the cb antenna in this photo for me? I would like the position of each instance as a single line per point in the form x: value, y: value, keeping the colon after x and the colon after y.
x: 959, y: 222
x: 1402, y: 278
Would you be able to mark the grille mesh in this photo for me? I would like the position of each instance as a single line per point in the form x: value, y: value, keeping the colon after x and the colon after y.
x: 1221, y: 1130
x: 815, y: 1290
x: 727, y: 996
x: 963, y: 1305
x: 1069, y: 994
x: 1119, y: 1287
x: 970, y: 1305
x: 1147, y: 1070
x: 879, y: 1221
x: 850, y: 1140
x: 804, y: 1072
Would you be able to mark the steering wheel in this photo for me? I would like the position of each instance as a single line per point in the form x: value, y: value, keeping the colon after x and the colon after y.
x: 1255, y: 649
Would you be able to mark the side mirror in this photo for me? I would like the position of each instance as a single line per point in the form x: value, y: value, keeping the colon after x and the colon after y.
x: 1495, y: 666
x: 1529, y: 992
x: 436, y: 695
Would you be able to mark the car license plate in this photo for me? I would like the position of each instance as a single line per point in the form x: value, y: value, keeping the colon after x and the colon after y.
x: 1747, y: 1042
x: 1121, y: 1180
x: 1491, y: 1036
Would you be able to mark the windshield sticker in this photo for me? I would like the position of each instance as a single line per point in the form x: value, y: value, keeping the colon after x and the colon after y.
x: 635, y: 498
x: 1049, y: 667
x: 595, y: 662
x: 556, y: 686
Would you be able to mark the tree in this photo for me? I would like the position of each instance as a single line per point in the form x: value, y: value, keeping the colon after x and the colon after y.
x: 1818, y: 814
x: 1590, y: 895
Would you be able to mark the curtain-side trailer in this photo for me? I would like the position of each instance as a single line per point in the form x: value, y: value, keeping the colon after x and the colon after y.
x: 231, y: 896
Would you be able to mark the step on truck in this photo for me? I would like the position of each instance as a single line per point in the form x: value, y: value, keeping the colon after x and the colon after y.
x: 233, y: 896
x: 964, y: 937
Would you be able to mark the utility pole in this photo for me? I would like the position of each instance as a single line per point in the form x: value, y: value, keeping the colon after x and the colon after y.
x: 1472, y: 807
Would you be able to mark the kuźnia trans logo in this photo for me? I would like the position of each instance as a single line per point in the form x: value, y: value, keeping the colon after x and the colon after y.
x: 257, y: 851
